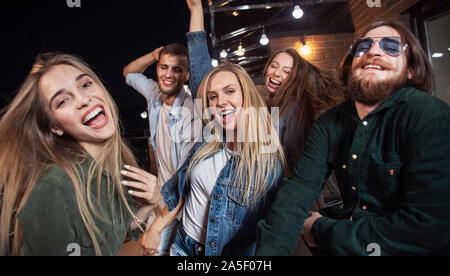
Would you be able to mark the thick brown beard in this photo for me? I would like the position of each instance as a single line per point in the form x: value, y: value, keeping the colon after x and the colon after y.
x: 372, y: 93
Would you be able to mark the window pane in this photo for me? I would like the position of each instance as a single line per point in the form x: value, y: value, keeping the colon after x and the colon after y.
x: 438, y: 40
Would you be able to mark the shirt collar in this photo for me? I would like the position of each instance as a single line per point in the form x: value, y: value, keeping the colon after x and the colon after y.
x: 398, y: 96
x: 175, y: 111
x: 87, y: 161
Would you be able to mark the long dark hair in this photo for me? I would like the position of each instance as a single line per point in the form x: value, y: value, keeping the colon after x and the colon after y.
x: 312, y: 89
x: 423, y: 77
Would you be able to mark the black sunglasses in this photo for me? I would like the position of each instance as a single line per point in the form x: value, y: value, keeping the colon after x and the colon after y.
x: 390, y: 45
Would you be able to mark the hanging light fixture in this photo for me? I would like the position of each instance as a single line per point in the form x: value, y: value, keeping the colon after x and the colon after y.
x: 305, y: 49
x: 223, y: 53
x: 298, y: 12
x: 240, y: 50
x: 264, y: 39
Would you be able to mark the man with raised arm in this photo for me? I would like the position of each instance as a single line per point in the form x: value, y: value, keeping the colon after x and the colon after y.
x: 171, y: 116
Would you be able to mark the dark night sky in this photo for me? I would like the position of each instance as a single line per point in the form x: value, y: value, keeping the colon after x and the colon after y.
x: 106, y: 34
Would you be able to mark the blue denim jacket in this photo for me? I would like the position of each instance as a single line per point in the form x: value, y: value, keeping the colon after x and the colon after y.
x: 199, y: 59
x: 231, y: 229
x: 232, y: 224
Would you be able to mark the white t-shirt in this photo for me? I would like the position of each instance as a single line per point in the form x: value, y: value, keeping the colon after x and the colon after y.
x: 203, y: 178
x: 164, y: 148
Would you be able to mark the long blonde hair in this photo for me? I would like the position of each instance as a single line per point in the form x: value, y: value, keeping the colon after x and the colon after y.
x: 25, y: 131
x: 256, y: 158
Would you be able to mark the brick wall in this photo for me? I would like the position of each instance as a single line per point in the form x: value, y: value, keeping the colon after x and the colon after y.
x: 389, y: 10
x: 326, y: 51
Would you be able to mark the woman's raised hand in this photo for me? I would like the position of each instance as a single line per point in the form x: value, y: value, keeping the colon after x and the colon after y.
x: 142, y: 184
x: 193, y: 4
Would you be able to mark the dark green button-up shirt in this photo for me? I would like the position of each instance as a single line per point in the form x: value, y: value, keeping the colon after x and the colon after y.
x: 52, y: 224
x: 393, y: 171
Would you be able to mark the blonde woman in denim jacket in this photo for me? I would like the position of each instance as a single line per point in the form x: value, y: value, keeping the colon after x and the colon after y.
x: 229, y: 180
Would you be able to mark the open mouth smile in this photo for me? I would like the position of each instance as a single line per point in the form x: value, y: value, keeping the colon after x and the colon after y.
x: 373, y: 66
x: 274, y: 84
x: 168, y: 82
x: 227, y: 115
x: 95, y: 118
x: 274, y: 81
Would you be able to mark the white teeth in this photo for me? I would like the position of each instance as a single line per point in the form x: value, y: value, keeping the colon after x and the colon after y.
x: 224, y: 113
x: 373, y: 66
x: 91, y: 115
x: 275, y: 82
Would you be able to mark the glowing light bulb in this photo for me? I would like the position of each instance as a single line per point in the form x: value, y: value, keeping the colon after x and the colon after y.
x: 305, y: 49
x: 144, y: 115
x: 264, y: 39
x: 240, y: 51
x: 223, y: 53
x: 298, y: 12
x: 214, y: 62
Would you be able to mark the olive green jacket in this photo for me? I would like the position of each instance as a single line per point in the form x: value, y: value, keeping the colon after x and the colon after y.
x: 52, y: 224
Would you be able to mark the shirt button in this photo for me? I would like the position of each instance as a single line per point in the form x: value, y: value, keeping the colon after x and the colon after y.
x: 199, y: 249
x: 216, y: 196
x: 212, y: 244
x: 364, y: 207
x: 213, y: 220
x: 365, y: 123
x: 354, y: 156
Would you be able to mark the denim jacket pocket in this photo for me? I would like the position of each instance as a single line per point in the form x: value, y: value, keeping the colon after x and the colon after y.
x: 237, y: 205
x: 238, y: 195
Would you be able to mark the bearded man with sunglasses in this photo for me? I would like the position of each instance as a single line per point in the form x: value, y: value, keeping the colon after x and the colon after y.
x: 389, y: 148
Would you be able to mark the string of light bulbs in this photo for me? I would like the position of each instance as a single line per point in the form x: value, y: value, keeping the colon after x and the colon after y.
x: 297, y: 13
